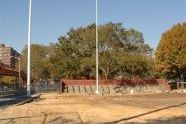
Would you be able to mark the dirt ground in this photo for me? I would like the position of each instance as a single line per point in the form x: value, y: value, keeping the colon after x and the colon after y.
x: 56, y: 108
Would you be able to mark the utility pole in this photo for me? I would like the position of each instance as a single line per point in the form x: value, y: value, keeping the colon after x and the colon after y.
x: 29, y: 47
x: 97, y: 57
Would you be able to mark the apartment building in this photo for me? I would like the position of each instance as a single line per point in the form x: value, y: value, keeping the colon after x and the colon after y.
x: 8, y: 55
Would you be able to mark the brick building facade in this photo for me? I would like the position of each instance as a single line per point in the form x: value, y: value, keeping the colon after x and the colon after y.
x: 8, y: 55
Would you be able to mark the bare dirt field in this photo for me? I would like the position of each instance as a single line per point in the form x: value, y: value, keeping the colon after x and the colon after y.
x: 56, y: 108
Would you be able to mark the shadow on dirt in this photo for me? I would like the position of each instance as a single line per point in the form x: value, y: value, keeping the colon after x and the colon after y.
x: 172, y: 120
x: 153, y: 121
x: 47, y: 118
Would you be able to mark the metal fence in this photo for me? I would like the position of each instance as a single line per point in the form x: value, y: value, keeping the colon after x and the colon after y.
x: 7, y: 89
x: 37, y: 87
x: 40, y: 87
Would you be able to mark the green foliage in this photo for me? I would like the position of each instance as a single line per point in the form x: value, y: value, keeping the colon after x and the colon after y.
x: 74, y: 54
x: 40, y: 65
x: 122, y: 54
x: 8, y: 79
x: 171, y: 52
x: 135, y: 65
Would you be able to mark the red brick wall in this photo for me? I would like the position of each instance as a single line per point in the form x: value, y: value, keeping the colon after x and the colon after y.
x: 164, y: 83
x: 7, y: 71
x: 132, y: 82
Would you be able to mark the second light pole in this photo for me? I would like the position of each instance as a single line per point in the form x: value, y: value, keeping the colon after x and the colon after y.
x: 29, y: 49
x: 97, y: 52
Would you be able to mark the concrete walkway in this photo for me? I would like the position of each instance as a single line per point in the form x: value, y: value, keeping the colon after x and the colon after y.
x: 14, y: 99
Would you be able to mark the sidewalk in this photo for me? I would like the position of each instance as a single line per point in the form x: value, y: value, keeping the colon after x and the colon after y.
x: 6, y: 101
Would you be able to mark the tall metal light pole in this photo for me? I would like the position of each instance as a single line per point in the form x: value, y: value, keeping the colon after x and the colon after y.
x: 97, y: 57
x: 29, y: 45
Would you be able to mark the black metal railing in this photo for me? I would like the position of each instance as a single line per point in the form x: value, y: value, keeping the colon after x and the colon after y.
x: 45, y: 87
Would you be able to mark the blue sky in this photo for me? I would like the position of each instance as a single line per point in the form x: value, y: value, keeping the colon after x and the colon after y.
x: 52, y: 18
x: 151, y: 17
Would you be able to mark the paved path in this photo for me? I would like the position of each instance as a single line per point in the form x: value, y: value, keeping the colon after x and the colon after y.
x: 10, y: 100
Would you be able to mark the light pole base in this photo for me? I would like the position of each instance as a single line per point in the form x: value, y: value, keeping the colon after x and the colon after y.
x: 97, y: 92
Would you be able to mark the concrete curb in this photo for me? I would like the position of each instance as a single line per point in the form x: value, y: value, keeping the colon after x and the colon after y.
x: 28, y: 100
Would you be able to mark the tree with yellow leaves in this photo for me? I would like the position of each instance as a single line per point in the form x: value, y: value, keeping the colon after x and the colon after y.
x: 171, y: 52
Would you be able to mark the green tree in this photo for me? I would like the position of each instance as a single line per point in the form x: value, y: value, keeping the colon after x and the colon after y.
x: 40, y: 65
x: 8, y: 79
x: 73, y: 56
x: 121, y: 51
x: 171, y: 52
x: 133, y: 65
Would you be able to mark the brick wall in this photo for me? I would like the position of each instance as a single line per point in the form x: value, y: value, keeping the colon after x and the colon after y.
x: 7, y: 71
x: 132, y: 82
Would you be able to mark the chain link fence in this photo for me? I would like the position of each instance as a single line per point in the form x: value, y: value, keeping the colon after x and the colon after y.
x: 36, y: 87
